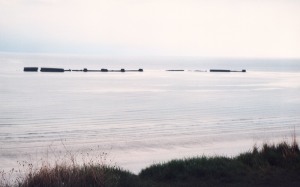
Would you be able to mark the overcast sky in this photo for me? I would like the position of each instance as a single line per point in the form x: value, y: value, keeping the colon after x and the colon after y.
x: 205, y: 28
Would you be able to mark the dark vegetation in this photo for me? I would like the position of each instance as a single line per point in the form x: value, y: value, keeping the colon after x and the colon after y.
x: 270, y: 165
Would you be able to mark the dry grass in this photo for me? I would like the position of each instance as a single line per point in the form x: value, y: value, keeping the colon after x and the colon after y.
x: 268, y: 165
x: 68, y: 169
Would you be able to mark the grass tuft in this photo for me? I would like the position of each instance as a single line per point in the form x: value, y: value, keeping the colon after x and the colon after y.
x: 271, y: 165
x: 87, y: 175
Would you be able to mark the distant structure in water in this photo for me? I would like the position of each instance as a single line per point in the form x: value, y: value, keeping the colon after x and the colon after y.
x: 175, y: 70
x: 52, y: 70
x: 106, y: 70
x: 35, y: 69
x: 225, y: 70
x: 31, y: 69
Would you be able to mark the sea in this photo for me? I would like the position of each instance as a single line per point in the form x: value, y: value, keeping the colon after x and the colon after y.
x: 137, y: 119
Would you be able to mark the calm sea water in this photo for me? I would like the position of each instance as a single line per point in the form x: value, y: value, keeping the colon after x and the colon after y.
x: 144, y: 118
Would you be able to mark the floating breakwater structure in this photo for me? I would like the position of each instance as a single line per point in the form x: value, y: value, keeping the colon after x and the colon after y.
x: 52, y: 70
x: 35, y: 69
x: 226, y: 70
x: 175, y: 70
x: 31, y: 69
x: 43, y: 69
x: 106, y: 70
x: 211, y: 70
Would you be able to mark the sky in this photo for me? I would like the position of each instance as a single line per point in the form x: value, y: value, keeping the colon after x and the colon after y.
x: 214, y: 28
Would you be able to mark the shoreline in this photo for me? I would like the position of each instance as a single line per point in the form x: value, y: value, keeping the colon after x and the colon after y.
x: 264, y: 163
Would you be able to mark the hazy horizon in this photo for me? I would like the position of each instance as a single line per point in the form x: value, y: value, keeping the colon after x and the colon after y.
x: 219, y: 29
